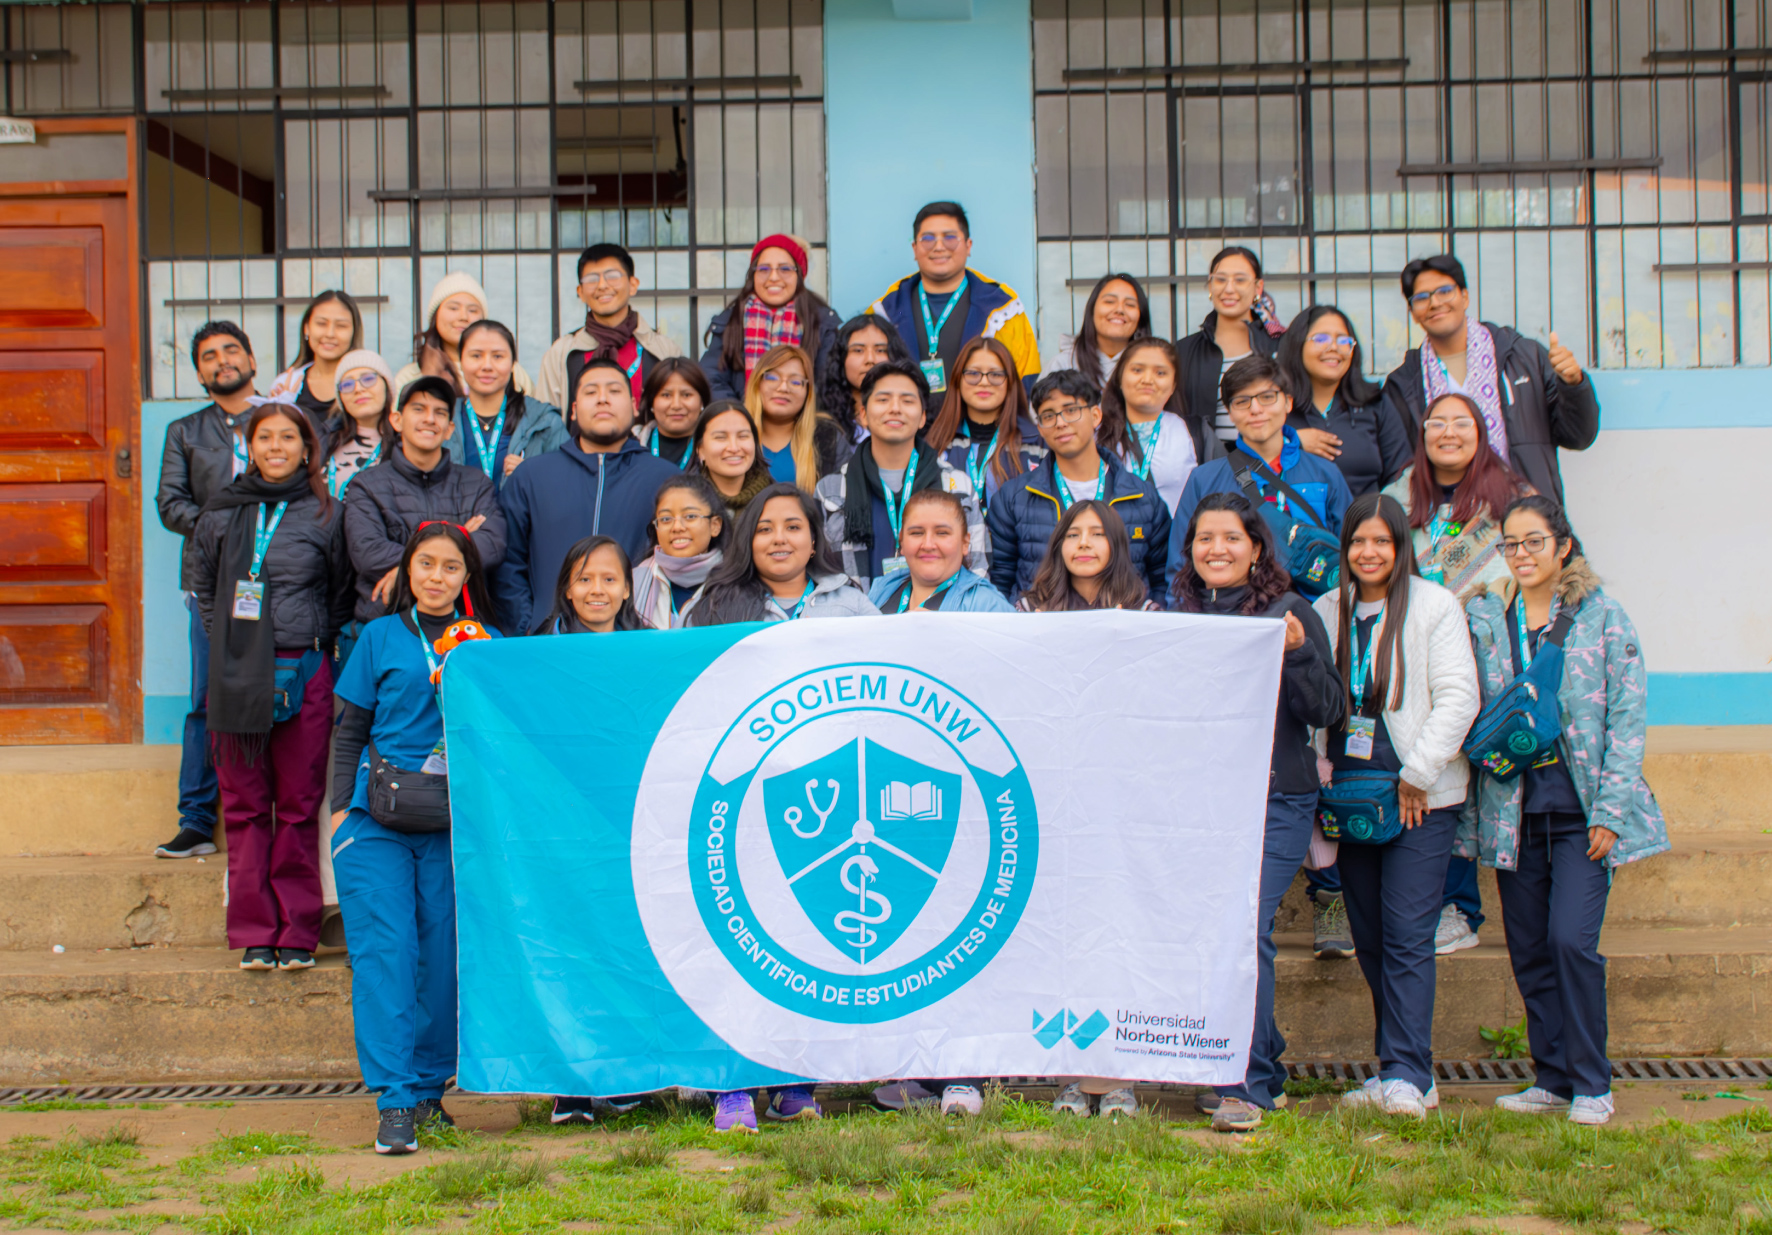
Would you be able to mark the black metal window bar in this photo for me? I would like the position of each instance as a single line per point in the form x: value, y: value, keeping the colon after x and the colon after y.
x: 292, y: 146
x: 1601, y: 166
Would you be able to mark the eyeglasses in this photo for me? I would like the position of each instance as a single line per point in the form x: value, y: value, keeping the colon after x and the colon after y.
x: 1443, y: 292
x: 367, y: 382
x: 765, y: 272
x: 985, y: 377
x: 1219, y: 282
x: 611, y: 277
x: 1268, y: 398
x: 1438, y: 424
x: 688, y: 520
x: 950, y: 239
x: 794, y: 383
x: 1339, y: 340
x: 1533, y: 545
x: 1071, y: 413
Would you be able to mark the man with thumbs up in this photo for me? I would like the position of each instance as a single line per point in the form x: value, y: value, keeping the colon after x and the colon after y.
x: 1534, y: 399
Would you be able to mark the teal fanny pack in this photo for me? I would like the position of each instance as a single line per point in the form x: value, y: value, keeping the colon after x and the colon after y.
x: 289, y: 682
x: 1361, y: 807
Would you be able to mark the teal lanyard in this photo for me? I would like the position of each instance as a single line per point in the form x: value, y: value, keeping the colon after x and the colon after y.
x: 334, y: 485
x: 241, y: 462
x: 1064, y: 489
x: 1147, y: 444
x: 895, y: 510
x: 1520, y: 626
x: 656, y: 435
x: 488, y: 448
x: 261, y: 537
x: 811, y: 586
x: 424, y: 645
x: 1362, y: 665
x: 639, y: 355
x: 904, y: 601
x: 929, y: 322
x: 975, y: 461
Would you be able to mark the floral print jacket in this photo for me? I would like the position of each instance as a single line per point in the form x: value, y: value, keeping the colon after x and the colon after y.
x: 1603, y: 701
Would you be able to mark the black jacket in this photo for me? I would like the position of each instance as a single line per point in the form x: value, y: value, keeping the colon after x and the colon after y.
x: 386, y: 503
x: 1311, y: 696
x: 817, y: 341
x: 1541, y: 411
x: 1375, y: 447
x: 1024, y: 513
x: 307, y: 576
x: 1201, y: 362
x: 198, y: 463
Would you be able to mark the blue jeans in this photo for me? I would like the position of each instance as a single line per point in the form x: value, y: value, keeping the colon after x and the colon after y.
x: 197, y: 787
x: 1326, y: 880
x: 1285, y: 842
x: 1393, y: 896
x: 1461, y: 890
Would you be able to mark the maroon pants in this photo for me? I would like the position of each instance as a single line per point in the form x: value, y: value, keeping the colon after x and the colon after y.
x: 273, y: 834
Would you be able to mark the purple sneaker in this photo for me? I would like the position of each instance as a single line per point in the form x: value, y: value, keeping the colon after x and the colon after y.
x: 735, y: 1112
x: 793, y: 1103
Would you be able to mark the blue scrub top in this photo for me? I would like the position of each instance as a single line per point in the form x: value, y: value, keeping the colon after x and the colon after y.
x: 781, y: 463
x: 388, y: 673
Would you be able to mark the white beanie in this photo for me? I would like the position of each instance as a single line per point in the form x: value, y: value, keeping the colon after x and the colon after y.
x: 363, y: 358
x: 454, y: 284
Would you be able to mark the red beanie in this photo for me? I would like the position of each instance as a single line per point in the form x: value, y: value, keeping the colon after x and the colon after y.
x: 779, y: 241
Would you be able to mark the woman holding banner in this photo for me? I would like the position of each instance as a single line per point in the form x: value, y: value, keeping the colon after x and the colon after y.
x: 390, y: 850
x: 1229, y: 566
x: 933, y: 547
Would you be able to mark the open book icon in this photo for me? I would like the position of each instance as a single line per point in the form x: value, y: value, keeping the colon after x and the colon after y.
x: 919, y: 801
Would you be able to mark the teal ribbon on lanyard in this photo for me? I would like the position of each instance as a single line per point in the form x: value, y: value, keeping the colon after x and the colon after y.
x: 800, y: 606
x: 488, y: 448
x: 682, y: 464
x: 1065, y: 499
x: 334, y: 486
x: 1520, y: 626
x: 1147, y: 445
x: 241, y: 461
x: 424, y: 645
x: 930, y: 323
x: 975, y: 462
x: 895, y: 513
x: 261, y: 536
x: 1362, y: 666
x: 904, y: 601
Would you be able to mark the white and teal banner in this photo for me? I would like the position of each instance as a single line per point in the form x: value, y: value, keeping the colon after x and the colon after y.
x: 927, y: 846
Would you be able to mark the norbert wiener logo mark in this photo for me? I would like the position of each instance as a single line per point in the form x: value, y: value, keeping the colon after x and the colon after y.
x: 861, y: 777
x: 1049, y: 1031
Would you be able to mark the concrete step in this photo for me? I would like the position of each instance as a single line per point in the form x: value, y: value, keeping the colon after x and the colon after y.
x: 89, y: 903
x: 192, y: 1014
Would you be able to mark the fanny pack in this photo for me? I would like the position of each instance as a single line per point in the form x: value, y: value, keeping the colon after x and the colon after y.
x: 1523, y: 721
x: 1313, y: 552
x: 1360, y: 806
x: 289, y: 682
x: 405, y: 801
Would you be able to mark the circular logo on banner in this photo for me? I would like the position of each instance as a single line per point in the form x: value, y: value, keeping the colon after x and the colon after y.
x: 862, y: 842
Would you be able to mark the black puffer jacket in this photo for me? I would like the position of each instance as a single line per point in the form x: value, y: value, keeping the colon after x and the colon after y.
x: 1202, y: 363
x: 1025, y: 512
x: 306, y: 573
x: 198, y: 463
x: 386, y: 503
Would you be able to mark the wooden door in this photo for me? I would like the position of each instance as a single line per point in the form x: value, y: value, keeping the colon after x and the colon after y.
x: 70, y: 486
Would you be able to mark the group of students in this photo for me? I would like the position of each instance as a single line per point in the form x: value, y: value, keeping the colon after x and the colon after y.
x: 348, y: 529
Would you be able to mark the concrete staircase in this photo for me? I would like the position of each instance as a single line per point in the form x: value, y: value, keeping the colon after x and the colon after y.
x: 146, y: 990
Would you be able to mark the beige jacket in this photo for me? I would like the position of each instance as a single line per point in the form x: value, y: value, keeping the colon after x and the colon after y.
x: 550, y: 386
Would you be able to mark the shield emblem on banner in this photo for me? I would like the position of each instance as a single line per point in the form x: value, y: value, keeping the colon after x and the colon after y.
x: 862, y: 835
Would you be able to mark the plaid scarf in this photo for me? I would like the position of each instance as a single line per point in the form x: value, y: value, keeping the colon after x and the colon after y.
x: 1481, y: 379
x: 765, y: 328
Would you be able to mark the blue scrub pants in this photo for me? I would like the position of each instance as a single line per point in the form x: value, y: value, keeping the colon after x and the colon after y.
x: 397, y: 892
x: 1393, y: 895
x: 1461, y: 887
x: 1285, y: 842
x: 1551, y: 908
x: 197, y: 786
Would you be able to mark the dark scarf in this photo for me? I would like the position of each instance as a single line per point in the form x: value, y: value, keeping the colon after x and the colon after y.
x: 610, y: 339
x: 858, y: 510
x: 755, y: 485
x: 241, y: 653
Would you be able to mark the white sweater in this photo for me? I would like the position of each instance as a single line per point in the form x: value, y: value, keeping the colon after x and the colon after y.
x: 1440, y: 693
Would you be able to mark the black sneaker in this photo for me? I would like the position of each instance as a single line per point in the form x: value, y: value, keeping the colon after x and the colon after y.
x: 573, y: 1111
x: 189, y: 843
x: 259, y: 958
x: 398, y: 1133
x: 430, y: 1110
x: 294, y: 958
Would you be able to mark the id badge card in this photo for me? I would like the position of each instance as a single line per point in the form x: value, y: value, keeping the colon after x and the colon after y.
x: 936, y: 375
x: 249, y: 599
x: 1361, y: 732
x: 891, y: 564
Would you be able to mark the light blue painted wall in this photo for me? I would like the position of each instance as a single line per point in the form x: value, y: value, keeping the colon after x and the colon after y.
x: 920, y: 111
x: 166, y: 650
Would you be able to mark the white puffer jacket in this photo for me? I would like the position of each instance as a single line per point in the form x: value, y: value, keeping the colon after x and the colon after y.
x: 1440, y: 693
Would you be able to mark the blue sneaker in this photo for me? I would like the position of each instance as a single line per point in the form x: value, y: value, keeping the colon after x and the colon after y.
x: 735, y: 1111
x: 795, y: 1102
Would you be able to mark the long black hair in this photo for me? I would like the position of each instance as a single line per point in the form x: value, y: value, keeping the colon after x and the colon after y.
x: 759, y: 469
x: 1115, y: 434
x: 1086, y: 347
x: 664, y: 371
x: 1268, y: 579
x: 1121, y: 585
x: 734, y: 593
x: 1396, y: 598
x: 1355, y: 390
x: 626, y: 618
x: 515, y: 403
x: 836, y: 397
x: 305, y: 355
x: 312, y: 463
x: 476, y: 595
x: 807, y: 307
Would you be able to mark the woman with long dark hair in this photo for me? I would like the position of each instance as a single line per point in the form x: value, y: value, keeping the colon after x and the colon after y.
x: 331, y: 326
x: 273, y: 587
x: 1229, y: 566
x: 358, y: 434
x: 800, y: 444
x: 1403, y: 653
x: 726, y: 451
x: 861, y: 343
x: 689, y: 534
x: 1242, y: 323
x: 772, y: 309
x: 671, y: 401
x: 1088, y: 565
x: 1144, y: 424
x: 1117, y: 313
x: 496, y: 426
x: 594, y: 593
x: 456, y: 302
x: 1339, y: 415
x: 779, y: 568
x: 985, y: 427
x: 390, y: 850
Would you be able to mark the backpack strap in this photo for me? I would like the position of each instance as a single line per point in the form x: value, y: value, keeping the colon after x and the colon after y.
x: 1560, y: 628
x: 1243, y: 465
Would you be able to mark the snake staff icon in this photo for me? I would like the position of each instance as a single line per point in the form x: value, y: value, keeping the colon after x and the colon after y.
x: 859, y: 871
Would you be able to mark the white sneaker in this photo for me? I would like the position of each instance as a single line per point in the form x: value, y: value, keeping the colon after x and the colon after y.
x: 1399, y: 1097
x: 1593, y: 1111
x: 1117, y: 1102
x: 1453, y: 933
x: 1533, y: 1101
x: 1072, y: 1100
x: 961, y: 1100
x: 903, y: 1096
x: 1372, y: 1094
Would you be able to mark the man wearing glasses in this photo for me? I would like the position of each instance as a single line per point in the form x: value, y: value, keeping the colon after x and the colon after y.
x: 944, y: 305
x: 612, y: 329
x: 1533, y: 398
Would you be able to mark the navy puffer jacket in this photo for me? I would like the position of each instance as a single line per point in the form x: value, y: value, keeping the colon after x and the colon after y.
x: 1025, y: 511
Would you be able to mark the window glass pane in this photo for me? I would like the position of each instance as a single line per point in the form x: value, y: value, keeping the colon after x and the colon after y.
x: 331, y: 167
x: 1239, y: 161
x: 100, y: 74
x: 210, y: 187
x: 346, y: 45
x: 1756, y: 148
x: 482, y: 51
x: 211, y: 48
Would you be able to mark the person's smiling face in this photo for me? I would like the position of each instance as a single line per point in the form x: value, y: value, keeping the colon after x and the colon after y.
x: 276, y: 448
x: 329, y: 330
x: 729, y: 445
x: 1223, y: 551
x: 683, y: 523
x: 894, y: 410
x: 1086, y: 549
x: 598, y: 588
x: 782, y: 546
x: 677, y: 407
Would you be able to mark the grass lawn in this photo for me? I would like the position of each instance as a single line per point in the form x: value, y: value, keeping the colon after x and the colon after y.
x: 305, y: 1167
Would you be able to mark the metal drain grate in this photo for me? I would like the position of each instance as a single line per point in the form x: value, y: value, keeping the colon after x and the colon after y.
x: 213, y: 1091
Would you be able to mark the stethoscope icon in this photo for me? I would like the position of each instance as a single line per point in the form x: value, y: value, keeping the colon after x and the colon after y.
x: 793, y: 814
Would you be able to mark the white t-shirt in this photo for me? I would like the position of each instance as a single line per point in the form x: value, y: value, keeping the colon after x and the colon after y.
x: 1172, y: 461
x: 1081, y: 490
x: 1065, y: 357
x: 1227, y: 432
